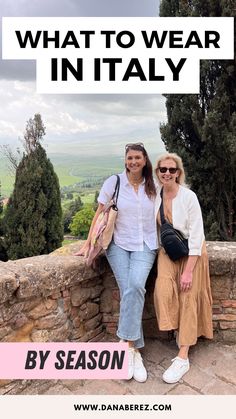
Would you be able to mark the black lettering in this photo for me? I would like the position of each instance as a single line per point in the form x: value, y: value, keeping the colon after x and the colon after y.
x: 59, y: 355
x: 108, y: 37
x: 55, y: 39
x: 93, y: 364
x: 131, y: 39
x: 43, y: 358
x: 117, y: 360
x: 193, y: 39
x: 97, y: 69
x: 54, y: 69
x: 70, y: 359
x: 28, y: 38
x: 152, y: 68
x: 175, y: 69
x: 134, y: 63
x: 213, y: 41
x: 87, y: 37
x: 154, y: 36
x: 77, y: 72
x: 70, y: 39
x: 112, y: 66
x: 80, y: 363
x: 174, y: 38
x: 30, y: 362
x: 104, y: 360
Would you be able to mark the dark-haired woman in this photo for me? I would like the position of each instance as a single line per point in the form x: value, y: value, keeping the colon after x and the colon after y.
x: 132, y: 251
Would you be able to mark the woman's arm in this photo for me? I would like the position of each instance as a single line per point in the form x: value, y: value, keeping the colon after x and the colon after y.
x: 85, y: 248
x: 187, y: 275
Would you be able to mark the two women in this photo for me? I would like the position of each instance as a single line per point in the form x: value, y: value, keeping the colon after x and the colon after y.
x: 132, y: 251
x: 182, y: 294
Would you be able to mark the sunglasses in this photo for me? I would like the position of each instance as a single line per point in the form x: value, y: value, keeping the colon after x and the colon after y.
x: 133, y: 145
x: 172, y: 170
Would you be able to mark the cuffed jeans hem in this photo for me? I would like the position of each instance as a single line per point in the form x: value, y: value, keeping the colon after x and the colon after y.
x: 138, y: 345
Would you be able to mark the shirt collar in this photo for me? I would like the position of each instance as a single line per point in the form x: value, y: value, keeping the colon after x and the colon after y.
x: 126, y: 180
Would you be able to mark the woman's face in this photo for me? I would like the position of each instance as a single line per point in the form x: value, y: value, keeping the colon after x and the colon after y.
x: 165, y: 176
x: 135, y: 161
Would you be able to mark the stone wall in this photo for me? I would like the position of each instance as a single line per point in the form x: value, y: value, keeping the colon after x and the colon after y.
x: 56, y: 298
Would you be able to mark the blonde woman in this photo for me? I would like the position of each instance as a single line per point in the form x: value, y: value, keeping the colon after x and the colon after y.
x: 182, y: 293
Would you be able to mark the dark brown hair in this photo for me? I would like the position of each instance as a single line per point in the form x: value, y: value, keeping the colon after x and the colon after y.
x: 150, y: 188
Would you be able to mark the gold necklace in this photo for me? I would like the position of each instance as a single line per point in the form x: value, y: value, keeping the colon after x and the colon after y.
x: 135, y: 183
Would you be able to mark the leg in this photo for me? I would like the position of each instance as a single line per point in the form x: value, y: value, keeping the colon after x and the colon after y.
x: 134, y: 295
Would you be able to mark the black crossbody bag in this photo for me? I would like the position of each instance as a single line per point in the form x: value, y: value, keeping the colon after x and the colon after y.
x: 174, y: 243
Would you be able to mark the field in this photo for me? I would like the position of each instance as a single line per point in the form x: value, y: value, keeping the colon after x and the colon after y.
x: 81, y: 169
x: 79, y: 174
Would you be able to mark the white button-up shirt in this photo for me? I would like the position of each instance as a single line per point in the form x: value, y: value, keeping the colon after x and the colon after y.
x: 135, y: 222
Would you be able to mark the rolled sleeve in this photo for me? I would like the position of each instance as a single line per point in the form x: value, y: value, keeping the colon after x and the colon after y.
x: 107, y: 190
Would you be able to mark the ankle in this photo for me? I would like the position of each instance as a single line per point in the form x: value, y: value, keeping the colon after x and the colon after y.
x: 183, y: 352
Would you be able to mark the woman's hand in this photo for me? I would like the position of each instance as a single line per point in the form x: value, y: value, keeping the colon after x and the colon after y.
x: 84, y: 250
x: 187, y: 275
x: 186, y: 281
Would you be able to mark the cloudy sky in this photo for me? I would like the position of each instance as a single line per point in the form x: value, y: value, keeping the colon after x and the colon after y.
x: 74, y: 119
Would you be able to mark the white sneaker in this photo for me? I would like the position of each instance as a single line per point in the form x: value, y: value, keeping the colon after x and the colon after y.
x: 175, y: 372
x: 130, y: 363
x: 140, y: 372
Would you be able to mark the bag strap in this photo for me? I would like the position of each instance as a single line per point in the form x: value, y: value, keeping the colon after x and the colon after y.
x: 163, y: 220
x: 116, y: 191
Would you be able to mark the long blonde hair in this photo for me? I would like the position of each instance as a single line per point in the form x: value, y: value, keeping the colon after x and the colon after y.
x: 179, y: 164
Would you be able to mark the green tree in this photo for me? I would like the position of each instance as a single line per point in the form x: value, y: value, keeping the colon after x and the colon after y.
x: 33, y: 218
x: 81, y: 222
x: 73, y: 208
x: 95, y: 202
x: 202, y: 128
x: 3, y: 254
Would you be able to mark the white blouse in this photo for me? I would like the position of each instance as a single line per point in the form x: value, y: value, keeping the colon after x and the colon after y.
x: 135, y: 222
x: 187, y: 218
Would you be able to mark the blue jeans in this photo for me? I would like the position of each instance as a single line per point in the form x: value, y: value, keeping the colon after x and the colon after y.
x: 131, y: 269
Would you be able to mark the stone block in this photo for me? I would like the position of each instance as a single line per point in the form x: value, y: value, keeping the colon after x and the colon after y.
x: 77, y: 321
x: 230, y: 310
x: 77, y: 333
x: 9, y: 311
x: 5, y: 331
x: 9, y: 283
x: 40, y: 336
x: 90, y: 310
x: 109, y: 281
x: 43, y: 309
x: 106, y: 301
x: 23, y: 334
x: 228, y: 335
x: 226, y: 317
x: 115, y: 306
x: 65, y: 304
x: 19, y: 320
x: 91, y: 335
x: 96, y: 291
x: 79, y: 296
x: 51, y: 321
x: 61, y: 334
x: 93, y: 323
x: 107, y: 318
x: 221, y: 288
x: 228, y: 325
x: 228, y: 303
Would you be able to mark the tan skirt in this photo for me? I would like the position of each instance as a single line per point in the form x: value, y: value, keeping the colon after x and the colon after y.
x: 189, y: 312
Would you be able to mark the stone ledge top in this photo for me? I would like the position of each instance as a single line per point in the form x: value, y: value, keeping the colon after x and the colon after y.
x: 42, y: 275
